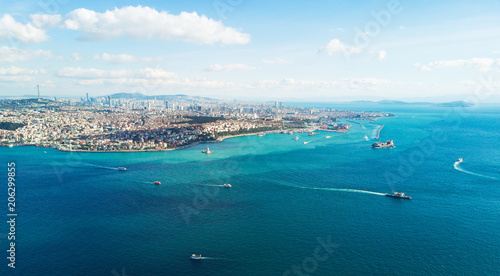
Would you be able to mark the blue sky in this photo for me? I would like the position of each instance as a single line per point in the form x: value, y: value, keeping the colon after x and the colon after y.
x: 287, y: 50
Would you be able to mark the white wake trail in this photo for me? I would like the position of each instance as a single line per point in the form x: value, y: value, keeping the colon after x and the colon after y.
x: 457, y: 167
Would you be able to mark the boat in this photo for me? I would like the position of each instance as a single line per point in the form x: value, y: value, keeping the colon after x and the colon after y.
x: 313, y: 133
x: 295, y: 138
x: 261, y: 134
x: 328, y: 137
x: 10, y: 145
x: 366, y: 137
x: 207, y: 151
x: 122, y: 168
x: 388, y: 144
x: 196, y: 257
x: 459, y: 160
x: 305, y: 143
x: 157, y: 183
x: 398, y: 195
x: 227, y: 185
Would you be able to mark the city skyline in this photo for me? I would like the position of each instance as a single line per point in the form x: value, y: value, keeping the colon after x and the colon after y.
x: 326, y: 50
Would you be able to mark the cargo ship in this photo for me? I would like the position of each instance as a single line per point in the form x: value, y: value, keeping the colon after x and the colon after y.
x: 398, y: 195
x: 388, y: 144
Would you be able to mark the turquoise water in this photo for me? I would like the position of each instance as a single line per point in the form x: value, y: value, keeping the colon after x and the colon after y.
x: 78, y: 215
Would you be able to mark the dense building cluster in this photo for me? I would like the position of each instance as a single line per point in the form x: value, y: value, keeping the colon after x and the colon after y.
x: 153, y: 125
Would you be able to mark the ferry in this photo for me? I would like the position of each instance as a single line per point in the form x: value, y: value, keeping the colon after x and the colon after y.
x: 459, y: 160
x: 227, y: 185
x: 207, y: 151
x: 196, y: 257
x: 122, y: 168
x: 388, y: 144
x: 157, y: 183
x: 398, y: 195
x: 295, y: 138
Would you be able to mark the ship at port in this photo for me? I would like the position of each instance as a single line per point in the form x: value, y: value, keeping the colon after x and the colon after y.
x: 398, y: 195
x: 388, y: 144
x: 207, y: 151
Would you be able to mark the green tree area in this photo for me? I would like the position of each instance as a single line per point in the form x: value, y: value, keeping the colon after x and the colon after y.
x: 10, y: 125
x: 193, y: 120
x: 245, y: 131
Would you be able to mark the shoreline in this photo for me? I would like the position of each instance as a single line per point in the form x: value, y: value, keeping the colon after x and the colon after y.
x: 218, y: 140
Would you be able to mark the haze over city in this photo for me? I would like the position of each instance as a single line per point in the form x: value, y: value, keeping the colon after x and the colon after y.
x: 271, y: 50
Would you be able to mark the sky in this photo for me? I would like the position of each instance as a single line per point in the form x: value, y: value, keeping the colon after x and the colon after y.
x: 264, y: 50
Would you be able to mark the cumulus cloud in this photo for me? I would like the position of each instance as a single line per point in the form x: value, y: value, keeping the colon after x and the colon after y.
x: 231, y: 67
x: 336, y: 46
x: 483, y: 64
x: 381, y: 54
x: 145, y: 23
x: 45, y: 21
x: 13, y: 71
x: 75, y: 57
x: 14, y: 54
x: 11, y: 30
x: 96, y: 74
x: 122, y: 58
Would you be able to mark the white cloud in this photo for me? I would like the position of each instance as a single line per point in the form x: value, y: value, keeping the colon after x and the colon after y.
x: 483, y: 64
x: 81, y: 73
x: 75, y: 57
x: 45, y: 21
x: 231, y: 67
x: 15, y: 71
x: 96, y: 74
x: 13, y: 54
x: 335, y: 46
x: 145, y: 23
x: 17, y: 74
x: 11, y: 30
x: 276, y: 61
x: 381, y: 54
x: 122, y: 58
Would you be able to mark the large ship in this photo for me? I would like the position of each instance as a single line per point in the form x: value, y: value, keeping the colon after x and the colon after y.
x: 398, y: 195
x: 207, y: 151
x: 388, y: 144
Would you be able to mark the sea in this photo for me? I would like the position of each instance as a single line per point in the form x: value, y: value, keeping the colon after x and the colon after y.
x: 294, y: 208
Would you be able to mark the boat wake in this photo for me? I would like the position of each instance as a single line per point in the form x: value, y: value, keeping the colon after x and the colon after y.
x: 101, y: 167
x: 457, y: 167
x: 339, y: 190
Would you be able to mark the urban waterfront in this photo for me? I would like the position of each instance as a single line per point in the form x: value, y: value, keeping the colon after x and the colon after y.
x: 287, y: 199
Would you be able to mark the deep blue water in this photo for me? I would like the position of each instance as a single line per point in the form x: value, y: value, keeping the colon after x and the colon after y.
x: 79, y: 216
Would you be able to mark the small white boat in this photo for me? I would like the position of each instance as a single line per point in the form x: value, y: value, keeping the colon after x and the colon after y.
x: 327, y: 137
x: 459, y: 160
x: 227, y: 185
x: 196, y: 257
x: 366, y: 138
x: 305, y: 143
x: 295, y: 138
x: 122, y: 168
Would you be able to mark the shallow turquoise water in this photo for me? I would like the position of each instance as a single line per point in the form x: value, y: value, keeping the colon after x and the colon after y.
x: 79, y: 216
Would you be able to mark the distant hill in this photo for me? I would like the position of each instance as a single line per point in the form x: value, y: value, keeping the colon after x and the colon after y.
x: 389, y: 102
